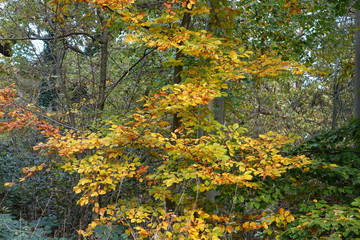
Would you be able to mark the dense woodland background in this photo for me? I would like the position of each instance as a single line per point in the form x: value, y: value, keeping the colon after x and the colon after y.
x: 179, y: 119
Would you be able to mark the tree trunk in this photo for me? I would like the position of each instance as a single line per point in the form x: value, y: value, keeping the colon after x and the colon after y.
x: 335, y: 110
x: 169, y: 204
x: 103, y: 68
x: 104, y: 55
x: 357, y: 67
x: 216, y: 106
x: 178, y: 69
x: 336, y: 96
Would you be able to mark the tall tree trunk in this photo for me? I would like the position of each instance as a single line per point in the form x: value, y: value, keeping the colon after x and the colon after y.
x: 178, y: 69
x: 104, y: 55
x: 335, y: 110
x: 357, y: 67
x: 103, y: 69
x: 336, y: 96
x: 169, y: 204
x: 217, y: 105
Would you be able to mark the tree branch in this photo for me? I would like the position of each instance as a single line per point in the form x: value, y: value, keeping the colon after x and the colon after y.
x: 112, y: 87
x: 34, y: 37
x: 43, y: 115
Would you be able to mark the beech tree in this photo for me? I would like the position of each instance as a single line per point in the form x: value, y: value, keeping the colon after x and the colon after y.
x: 172, y: 164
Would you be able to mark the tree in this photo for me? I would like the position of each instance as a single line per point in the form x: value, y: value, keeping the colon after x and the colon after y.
x: 49, y: 66
x: 309, y: 33
x: 143, y: 152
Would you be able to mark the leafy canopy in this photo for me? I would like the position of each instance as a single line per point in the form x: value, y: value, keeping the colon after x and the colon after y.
x: 143, y: 152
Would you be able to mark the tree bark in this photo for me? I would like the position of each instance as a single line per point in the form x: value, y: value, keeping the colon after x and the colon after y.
x: 178, y: 69
x: 357, y: 67
x: 103, y: 69
x: 104, y: 55
x: 335, y: 109
x: 336, y: 97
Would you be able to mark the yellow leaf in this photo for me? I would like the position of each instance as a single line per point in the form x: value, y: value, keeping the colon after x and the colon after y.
x: 108, y: 180
x: 101, y: 191
x: 290, y: 218
x: 77, y: 190
x: 9, y: 184
x: 229, y: 228
x: 281, y: 211
x: 218, y: 230
x: 102, y: 211
x: 94, y: 194
x: 84, y: 181
x: 83, y: 201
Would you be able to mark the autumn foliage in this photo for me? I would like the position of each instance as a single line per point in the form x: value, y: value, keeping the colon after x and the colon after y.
x: 130, y: 168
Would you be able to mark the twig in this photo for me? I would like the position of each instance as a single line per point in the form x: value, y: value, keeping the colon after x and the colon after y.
x: 111, y: 88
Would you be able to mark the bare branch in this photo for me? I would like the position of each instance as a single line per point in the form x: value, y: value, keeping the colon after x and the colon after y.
x: 112, y: 87
x: 33, y: 37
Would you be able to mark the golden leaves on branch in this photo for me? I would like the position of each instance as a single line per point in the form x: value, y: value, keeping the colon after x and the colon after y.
x: 29, y: 172
x: 19, y: 117
x: 116, y: 4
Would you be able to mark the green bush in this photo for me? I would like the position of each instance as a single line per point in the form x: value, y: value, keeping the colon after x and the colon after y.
x: 322, y: 221
x: 23, y: 230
